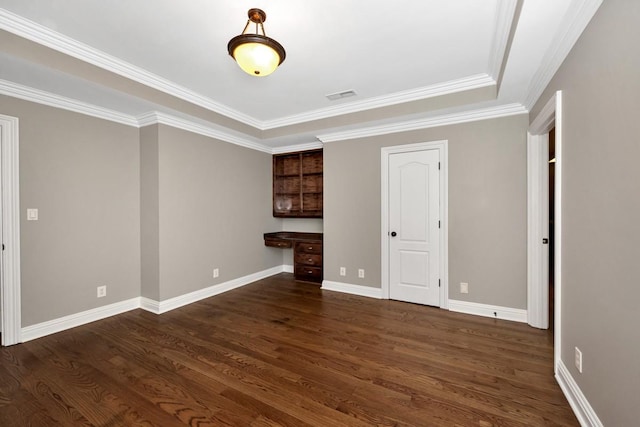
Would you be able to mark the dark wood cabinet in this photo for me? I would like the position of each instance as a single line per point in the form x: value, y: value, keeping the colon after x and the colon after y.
x: 297, y: 184
x: 307, y: 252
x: 307, y: 261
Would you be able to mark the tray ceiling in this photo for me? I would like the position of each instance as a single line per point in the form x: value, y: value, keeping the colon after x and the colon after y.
x: 406, y: 61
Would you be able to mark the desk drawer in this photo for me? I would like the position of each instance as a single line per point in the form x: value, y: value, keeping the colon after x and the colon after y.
x: 308, y: 259
x: 278, y: 243
x: 308, y: 248
x: 311, y: 274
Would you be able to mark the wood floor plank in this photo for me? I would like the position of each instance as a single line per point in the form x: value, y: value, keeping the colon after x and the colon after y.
x: 285, y: 353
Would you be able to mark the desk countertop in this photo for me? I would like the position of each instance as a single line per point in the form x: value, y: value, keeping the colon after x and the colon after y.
x: 294, y: 236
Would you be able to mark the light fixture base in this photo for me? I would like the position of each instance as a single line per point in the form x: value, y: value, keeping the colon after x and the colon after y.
x: 257, y: 16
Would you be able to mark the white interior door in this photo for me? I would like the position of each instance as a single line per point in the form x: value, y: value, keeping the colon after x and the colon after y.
x: 414, y: 226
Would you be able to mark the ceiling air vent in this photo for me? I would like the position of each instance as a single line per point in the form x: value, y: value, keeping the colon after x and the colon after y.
x: 340, y: 95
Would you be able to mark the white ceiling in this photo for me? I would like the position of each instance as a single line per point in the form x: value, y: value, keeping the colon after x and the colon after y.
x: 409, y: 61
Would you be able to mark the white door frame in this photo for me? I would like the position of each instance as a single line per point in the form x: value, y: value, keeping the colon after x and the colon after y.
x: 10, y: 233
x: 385, y: 152
x: 537, y: 196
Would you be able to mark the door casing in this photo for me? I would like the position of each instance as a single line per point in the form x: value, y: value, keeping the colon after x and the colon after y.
x: 385, y: 152
x: 537, y: 300
x: 10, y: 205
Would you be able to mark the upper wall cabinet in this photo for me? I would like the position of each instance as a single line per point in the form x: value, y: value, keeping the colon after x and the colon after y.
x: 297, y: 184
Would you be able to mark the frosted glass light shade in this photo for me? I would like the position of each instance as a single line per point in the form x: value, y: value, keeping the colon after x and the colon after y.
x: 256, y: 59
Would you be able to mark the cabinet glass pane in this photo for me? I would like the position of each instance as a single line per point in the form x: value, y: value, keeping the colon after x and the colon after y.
x: 312, y: 184
x: 289, y: 185
x: 312, y: 162
x: 312, y: 202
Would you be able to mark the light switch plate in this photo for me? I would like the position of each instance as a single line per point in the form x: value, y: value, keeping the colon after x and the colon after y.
x: 578, y: 360
x: 32, y: 214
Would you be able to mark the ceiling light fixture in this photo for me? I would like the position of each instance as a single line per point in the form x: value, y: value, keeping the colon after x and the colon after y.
x: 256, y: 54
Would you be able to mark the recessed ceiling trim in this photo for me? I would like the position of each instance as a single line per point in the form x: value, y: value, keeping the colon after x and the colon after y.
x: 40, y: 34
x: 297, y: 147
x: 52, y: 100
x: 505, y: 23
x: 156, y: 117
x: 443, y: 120
x: 447, y: 88
x: 574, y: 23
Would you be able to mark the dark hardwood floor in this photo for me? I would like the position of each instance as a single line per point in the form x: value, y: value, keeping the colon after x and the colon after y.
x: 280, y: 352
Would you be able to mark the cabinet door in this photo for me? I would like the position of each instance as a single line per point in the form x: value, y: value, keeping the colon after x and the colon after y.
x: 311, y: 183
x: 298, y: 184
x: 286, y: 185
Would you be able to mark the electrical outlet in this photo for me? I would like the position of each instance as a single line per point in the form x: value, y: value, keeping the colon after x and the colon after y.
x: 343, y: 271
x: 464, y: 288
x: 102, y: 291
x: 578, y: 360
x: 361, y: 273
x: 216, y: 272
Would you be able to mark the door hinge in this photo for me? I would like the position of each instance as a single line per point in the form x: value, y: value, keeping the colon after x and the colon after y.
x: 438, y: 165
x: 439, y: 284
x: 438, y: 223
x: 3, y: 246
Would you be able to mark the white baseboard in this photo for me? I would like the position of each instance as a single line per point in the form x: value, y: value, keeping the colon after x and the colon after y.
x: 287, y: 268
x: 149, y: 304
x: 67, y: 322
x: 348, y: 288
x: 159, y: 307
x: 579, y: 403
x: 486, y: 310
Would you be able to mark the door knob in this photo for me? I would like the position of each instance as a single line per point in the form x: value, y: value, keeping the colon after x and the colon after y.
x: 394, y: 234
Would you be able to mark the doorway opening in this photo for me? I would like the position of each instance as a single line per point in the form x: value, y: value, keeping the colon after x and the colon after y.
x: 544, y: 302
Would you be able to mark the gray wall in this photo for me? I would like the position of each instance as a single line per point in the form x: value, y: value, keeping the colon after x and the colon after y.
x: 214, y: 206
x: 82, y: 174
x: 145, y: 212
x: 149, y: 214
x: 600, y: 80
x: 487, y: 208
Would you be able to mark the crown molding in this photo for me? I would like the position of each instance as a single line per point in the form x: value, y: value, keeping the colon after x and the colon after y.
x: 467, y: 83
x: 443, y: 120
x: 52, y: 100
x: 156, y: 117
x: 297, y: 147
x: 575, y: 21
x: 46, y: 98
x: 40, y: 34
x: 505, y: 21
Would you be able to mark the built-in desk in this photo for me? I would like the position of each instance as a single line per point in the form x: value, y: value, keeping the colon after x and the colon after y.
x: 307, y: 252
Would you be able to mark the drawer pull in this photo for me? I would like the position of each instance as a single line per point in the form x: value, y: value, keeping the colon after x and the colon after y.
x: 310, y: 272
x: 310, y: 247
x: 310, y: 260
